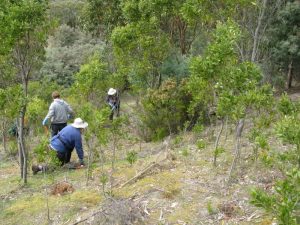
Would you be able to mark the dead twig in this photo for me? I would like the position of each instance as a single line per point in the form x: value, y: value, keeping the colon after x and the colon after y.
x: 149, y: 167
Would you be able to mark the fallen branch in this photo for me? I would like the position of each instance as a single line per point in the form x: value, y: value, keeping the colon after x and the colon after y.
x: 153, y: 164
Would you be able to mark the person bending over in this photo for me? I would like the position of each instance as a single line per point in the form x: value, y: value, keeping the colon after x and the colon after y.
x: 64, y: 142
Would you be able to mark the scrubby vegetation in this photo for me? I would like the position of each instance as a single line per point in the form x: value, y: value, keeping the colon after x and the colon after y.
x: 209, y: 126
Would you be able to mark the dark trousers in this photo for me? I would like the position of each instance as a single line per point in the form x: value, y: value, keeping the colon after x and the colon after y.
x: 64, y: 157
x: 56, y: 127
x: 113, y: 111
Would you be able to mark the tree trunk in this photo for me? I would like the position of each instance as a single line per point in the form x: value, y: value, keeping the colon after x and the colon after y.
x: 4, y: 136
x: 217, y: 143
x: 89, y: 161
x: 22, y: 150
x: 256, y: 32
x: 239, y: 130
x: 290, y: 76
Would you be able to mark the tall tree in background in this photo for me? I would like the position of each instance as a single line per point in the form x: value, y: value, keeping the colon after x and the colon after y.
x: 23, y: 26
x: 66, y: 11
x: 285, y: 39
x: 100, y: 17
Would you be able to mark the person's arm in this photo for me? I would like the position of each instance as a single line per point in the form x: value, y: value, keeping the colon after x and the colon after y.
x: 49, y: 115
x: 69, y: 109
x: 79, y: 149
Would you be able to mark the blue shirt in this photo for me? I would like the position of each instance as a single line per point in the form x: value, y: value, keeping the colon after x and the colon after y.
x: 68, y: 139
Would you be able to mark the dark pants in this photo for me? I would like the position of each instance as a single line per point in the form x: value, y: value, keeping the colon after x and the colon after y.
x: 113, y: 111
x: 56, y: 127
x: 64, y: 157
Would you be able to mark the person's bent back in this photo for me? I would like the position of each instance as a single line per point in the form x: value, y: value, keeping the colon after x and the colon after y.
x: 66, y: 140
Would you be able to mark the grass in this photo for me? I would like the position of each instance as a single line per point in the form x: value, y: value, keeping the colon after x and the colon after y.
x: 168, y: 182
x: 187, y: 184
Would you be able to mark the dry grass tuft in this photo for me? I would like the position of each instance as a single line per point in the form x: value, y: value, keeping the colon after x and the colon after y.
x: 62, y: 188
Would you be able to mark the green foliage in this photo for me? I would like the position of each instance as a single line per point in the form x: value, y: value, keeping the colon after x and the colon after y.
x: 164, y: 110
x: 210, y: 209
x: 284, y: 202
x: 96, y: 119
x: 201, y: 144
x: 175, y: 66
x: 36, y: 110
x: 19, y: 19
x: 67, y: 11
x: 43, y: 154
x: 288, y: 129
x: 10, y: 101
x: 285, y: 105
x: 177, y: 140
x: 103, y: 178
x: 42, y: 90
x: 218, y: 151
x: 12, y: 149
x: 198, y: 128
x: 131, y: 157
x: 92, y: 80
x: 102, y: 16
x: 283, y: 35
x: 139, y: 52
x: 41, y: 150
x: 185, y: 152
x: 68, y: 48
x: 233, y: 86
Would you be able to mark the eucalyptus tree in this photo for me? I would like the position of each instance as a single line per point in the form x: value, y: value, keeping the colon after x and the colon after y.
x: 23, y: 29
x: 100, y: 17
x: 9, y: 107
x: 283, y: 202
x: 220, y: 80
x: 67, y: 12
x: 145, y: 33
x: 284, y: 39
x: 67, y: 49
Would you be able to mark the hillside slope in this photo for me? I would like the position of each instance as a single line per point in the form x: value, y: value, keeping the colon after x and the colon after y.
x: 172, y: 182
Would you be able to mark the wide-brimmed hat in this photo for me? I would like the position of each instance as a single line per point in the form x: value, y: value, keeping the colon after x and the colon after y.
x: 112, y: 91
x: 79, y: 123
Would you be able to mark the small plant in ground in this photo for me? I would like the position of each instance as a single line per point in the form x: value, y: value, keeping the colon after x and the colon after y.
x: 131, y: 157
x: 103, y: 181
x: 198, y: 128
x: 210, y: 209
x: 41, y: 149
x: 185, y: 152
x: 218, y: 151
x: 45, y: 155
x: 284, y: 202
x: 177, y: 140
x: 201, y: 144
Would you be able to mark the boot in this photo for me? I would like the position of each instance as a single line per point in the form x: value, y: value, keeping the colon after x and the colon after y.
x: 35, y: 169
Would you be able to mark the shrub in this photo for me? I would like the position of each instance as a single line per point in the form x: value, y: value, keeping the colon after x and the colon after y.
x: 165, y: 109
x: 131, y: 157
x: 284, y: 203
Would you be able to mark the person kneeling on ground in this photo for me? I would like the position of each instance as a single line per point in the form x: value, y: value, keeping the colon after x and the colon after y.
x: 64, y: 143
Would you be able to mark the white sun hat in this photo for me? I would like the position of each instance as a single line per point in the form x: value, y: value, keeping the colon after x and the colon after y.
x: 112, y: 91
x: 79, y: 123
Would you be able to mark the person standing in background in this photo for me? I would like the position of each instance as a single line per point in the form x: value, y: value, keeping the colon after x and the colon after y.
x: 59, y: 113
x: 113, y: 100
